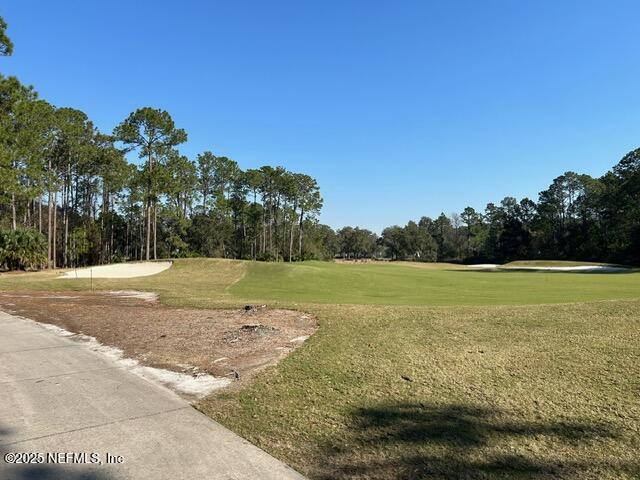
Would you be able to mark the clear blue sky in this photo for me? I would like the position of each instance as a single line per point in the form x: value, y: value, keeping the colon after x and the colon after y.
x: 399, y: 109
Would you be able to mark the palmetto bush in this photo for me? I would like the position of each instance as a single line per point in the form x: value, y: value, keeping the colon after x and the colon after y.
x: 22, y: 249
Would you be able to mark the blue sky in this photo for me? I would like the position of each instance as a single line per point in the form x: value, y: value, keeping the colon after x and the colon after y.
x: 399, y: 109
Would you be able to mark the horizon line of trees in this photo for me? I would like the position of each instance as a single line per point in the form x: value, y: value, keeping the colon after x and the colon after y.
x: 577, y: 217
x: 69, y: 196
x: 70, y: 190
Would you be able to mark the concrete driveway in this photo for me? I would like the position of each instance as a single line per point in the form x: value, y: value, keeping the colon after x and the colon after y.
x: 73, y: 414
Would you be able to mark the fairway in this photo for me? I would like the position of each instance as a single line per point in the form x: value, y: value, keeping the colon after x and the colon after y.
x: 426, y: 371
x: 402, y: 284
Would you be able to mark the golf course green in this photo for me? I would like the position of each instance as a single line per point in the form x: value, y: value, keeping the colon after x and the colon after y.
x: 443, y: 284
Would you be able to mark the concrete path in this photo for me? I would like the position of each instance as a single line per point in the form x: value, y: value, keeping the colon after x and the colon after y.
x: 60, y: 400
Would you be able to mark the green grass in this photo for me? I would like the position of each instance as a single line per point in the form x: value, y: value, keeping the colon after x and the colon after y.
x: 506, y: 374
x: 397, y: 284
x: 495, y: 392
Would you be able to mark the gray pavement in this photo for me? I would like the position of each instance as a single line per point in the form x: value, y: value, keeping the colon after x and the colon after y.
x: 57, y: 398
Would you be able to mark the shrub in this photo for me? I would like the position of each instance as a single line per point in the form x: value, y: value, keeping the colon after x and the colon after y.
x: 22, y: 249
x: 266, y: 256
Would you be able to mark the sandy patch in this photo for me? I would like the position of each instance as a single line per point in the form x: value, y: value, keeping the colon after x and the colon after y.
x: 148, y: 296
x: 575, y: 268
x: 198, y: 384
x: 301, y: 338
x: 118, y: 270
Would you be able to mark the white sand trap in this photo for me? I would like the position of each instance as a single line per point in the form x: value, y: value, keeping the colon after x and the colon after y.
x: 574, y: 268
x: 119, y: 270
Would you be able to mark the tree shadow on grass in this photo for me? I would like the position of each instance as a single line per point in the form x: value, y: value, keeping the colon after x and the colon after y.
x: 416, y: 441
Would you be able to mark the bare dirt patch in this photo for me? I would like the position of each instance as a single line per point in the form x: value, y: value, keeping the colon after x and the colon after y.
x: 223, y: 343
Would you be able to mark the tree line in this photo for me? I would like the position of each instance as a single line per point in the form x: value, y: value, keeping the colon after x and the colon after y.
x: 70, y: 195
x: 71, y: 189
x: 577, y: 217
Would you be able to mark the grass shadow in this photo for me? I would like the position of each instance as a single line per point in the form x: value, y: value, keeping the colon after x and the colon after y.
x: 416, y: 441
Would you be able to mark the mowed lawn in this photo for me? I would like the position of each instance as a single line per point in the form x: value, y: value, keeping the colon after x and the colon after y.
x: 429, y: 371
x: 402, y: 284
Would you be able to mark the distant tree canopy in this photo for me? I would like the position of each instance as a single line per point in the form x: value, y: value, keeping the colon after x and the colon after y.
x: 64, y: 181
x: 577, y: 217
x: 356, y: 243
x: 69, y: 196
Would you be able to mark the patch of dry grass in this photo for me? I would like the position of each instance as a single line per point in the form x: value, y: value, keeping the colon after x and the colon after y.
x: 453, y: 392
x: 198, y: 282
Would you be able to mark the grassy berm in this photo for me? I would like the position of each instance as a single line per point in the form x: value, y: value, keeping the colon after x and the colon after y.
x: 428, y: 371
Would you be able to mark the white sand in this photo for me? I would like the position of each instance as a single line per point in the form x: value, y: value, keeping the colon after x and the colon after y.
x: 198, y: 385
x: 575, y: 268
x: 300, y: 339
x: 119, y: 270
x: 148, y: 296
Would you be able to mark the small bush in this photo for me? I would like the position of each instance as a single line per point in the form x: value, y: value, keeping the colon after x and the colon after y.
x: 266, y: 256
x: 22, y: 249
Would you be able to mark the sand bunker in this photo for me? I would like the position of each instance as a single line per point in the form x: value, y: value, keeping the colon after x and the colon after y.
x: 119, y: 270
x: 573, y: 268
x: 576, y: 268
